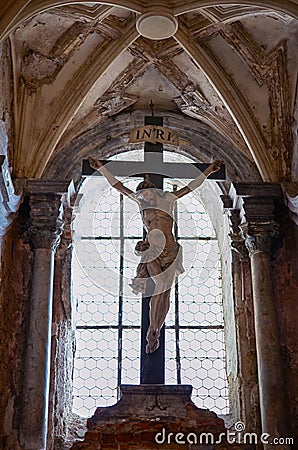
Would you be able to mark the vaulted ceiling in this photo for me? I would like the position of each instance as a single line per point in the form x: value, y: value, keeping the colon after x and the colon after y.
x: 79, y: 76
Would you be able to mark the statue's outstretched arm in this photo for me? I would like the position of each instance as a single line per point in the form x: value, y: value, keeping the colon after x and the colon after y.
x: 194, y: 184
x: 97, y: 165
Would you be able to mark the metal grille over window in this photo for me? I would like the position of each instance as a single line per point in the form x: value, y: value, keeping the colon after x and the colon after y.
x: 108, y: 316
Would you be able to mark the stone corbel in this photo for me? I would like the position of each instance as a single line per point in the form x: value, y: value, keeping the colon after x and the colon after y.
x: 237, y: 239
x: 256, y: 202
x: 68, y: 202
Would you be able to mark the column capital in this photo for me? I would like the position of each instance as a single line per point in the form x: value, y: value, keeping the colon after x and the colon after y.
x: 46, y: 212
x: 45, y: 220
x: 251, y: 209
x: 259, y: 236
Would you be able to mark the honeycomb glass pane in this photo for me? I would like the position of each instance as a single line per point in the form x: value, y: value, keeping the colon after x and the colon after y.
x: 95, y: 370
x: 170, y: 356
x: 130, y: 356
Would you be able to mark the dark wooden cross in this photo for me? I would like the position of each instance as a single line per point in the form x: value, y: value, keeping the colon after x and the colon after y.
x: 153, y: 364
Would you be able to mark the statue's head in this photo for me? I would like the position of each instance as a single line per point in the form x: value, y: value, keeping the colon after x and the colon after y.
x: 146, y: 191
x: 145, y: 184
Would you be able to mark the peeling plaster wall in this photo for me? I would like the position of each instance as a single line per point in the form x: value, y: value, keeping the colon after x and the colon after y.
x: 15, y: 289
x: 14, y: 293
x: 5, y: 86
x: 285, y: 279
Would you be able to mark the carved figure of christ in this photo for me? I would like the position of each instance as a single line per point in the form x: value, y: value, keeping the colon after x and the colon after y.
x: 161, y: 255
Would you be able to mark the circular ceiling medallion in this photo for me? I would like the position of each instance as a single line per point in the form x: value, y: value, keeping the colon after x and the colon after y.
x: 157, y: 26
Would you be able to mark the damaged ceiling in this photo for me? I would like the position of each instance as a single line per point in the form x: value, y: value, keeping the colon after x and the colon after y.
x: 82, y: 77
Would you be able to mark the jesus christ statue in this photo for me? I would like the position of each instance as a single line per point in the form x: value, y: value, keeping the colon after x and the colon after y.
x: 161, y: 255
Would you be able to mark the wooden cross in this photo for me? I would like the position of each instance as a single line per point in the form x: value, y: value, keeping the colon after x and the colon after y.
x: 153, y: 364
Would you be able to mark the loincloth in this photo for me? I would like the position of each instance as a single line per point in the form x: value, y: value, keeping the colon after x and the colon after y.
x: 169, y: 256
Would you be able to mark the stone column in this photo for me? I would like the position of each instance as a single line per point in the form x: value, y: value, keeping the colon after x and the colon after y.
x: 257, y: 204
x: 43, y: 234
x: 243, y: 298
x: 259, y: 237
x: 62, y: 343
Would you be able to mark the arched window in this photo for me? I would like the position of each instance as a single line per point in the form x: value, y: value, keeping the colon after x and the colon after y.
x: 108, y: 316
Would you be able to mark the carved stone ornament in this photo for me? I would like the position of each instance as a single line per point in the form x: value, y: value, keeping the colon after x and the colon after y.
x: 237, y: 239
x: 115, y: 103
x: 238, y: 245
x: 45, y: 224
x: 260, y: 236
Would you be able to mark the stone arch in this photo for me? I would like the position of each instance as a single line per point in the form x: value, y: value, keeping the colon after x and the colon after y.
x: 112, y: 136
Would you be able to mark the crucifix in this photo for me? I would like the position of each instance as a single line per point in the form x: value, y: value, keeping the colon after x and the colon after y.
x: 161, y: 259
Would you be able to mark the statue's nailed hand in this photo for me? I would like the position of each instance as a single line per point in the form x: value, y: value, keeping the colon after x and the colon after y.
x: 216, y: 165
x: 94, y: 163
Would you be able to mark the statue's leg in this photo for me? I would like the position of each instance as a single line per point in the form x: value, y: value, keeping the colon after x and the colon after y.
x: 159, y: 309
x: 159, y: 303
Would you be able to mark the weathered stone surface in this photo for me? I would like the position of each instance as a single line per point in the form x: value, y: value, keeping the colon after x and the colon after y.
x: 285, y: 285
x: 16, y: 271
x: 257, y: 205
x: 43, y: 234
x: 63, y: 425
x: 146, y: 415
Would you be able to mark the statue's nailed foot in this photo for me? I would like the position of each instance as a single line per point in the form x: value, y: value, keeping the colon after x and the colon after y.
x: 153, y: 340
